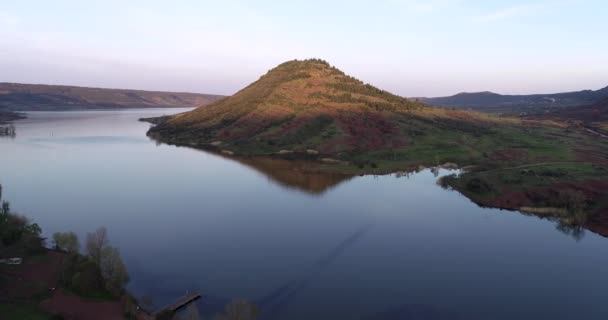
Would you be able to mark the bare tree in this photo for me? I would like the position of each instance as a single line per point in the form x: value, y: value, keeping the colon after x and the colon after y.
x: 95, y: 244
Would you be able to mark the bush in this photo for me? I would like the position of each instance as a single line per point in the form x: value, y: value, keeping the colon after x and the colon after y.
x: 555, y: 173
x: 87, y: 279
x: 67, y: 241
x: 113, y: 270
x: 573, y: 200
x: 14, y: 227
x: 478, y: 185
x: 33, y: 244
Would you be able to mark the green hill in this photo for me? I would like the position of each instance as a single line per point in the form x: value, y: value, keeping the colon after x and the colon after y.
x: 311, y: 109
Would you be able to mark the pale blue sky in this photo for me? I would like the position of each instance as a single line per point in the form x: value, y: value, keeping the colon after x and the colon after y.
x: 409, y: 47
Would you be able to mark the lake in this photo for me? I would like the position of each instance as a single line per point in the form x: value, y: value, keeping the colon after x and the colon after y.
x: 301, y: 246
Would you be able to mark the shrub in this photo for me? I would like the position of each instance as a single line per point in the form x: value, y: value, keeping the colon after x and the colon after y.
x: 573, y: 200
x: 113, y: 270
x: 67, y: 241
x: 83, y: 276
x: 478, y: 185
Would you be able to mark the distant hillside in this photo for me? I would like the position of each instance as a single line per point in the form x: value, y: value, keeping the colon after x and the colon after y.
x: 493, y: 102
x: 31, y: 97
x: 593, y: 117
x: 596, y: 112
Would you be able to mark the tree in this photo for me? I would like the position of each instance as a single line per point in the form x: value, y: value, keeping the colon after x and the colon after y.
x: 107, y: 259
x: 573, y: 200
x: 95, y: 244
x: 67, y: 241
x: 113, y: 270
x: 32, y: 229
x: 6, y: 207
x: 81, y: 275
x: 15, y: 228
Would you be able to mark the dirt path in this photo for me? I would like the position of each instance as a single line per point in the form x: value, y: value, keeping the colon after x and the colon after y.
x: 595, y: 132
x: 35, y: 276
x: 531, y: 165
x: 77, y: 308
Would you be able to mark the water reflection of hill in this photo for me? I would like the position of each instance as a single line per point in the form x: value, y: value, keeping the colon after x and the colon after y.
x: 300, y: 175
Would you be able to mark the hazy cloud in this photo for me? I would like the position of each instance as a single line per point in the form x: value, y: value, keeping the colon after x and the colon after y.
x: 7, y: 19
x: 410, y: 47
x: 422, y: 6
x: 506, y: 13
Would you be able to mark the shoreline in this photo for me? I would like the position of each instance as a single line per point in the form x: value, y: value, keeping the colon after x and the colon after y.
x: 7, y: 117
x: 563, y: 181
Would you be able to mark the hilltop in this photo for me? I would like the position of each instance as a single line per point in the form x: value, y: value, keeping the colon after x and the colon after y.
x: 515, y: 104
x: 34, y: 97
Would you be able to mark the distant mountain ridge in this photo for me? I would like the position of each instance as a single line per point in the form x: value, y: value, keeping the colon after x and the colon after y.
x: 33, y: 97
x: 590, y: 113
x: 593, y: 117
x: 494, y: 102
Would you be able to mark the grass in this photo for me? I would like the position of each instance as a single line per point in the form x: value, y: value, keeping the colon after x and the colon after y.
x: 500, y: 147
x: 570, y: 188
x: 541, y: 175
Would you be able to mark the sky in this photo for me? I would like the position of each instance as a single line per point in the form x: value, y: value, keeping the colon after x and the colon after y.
x: 408, y: 47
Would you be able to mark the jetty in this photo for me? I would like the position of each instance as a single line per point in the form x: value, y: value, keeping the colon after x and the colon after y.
x: 174, y: 309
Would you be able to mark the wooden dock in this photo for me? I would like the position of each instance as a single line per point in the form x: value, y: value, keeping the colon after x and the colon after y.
x: 179, y: 303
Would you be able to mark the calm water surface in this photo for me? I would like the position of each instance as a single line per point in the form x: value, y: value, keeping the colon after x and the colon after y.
x: 301, y: 247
